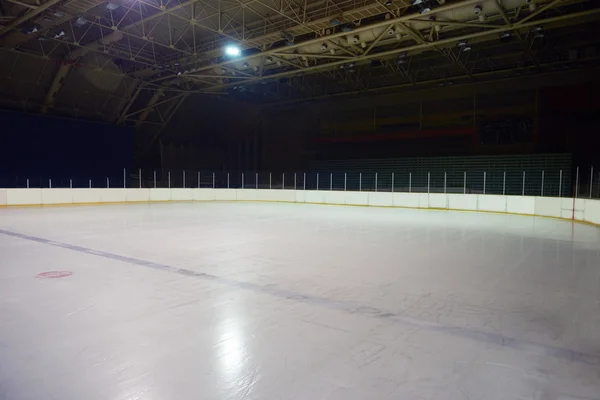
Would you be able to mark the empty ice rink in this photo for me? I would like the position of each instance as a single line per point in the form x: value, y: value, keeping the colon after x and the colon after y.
x: 226, y: 300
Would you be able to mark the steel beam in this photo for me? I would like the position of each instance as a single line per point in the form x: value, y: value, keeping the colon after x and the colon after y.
x: 31, y: 6
x: 56, y: 85
x: 420, y: 46
x: 151, y: 103
x: 28, y: 16
x: 123, y: 114
x: 346, y: 94
x: 358, y: 29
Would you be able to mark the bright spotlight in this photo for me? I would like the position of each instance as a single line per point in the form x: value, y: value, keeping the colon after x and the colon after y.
x: 233, y: 51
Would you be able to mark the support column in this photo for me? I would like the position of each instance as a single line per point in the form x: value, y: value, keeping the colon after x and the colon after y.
x: 57, y: 83
x: 153, y: 100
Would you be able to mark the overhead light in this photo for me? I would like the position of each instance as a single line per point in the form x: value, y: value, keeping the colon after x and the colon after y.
x: 355, y: 39
x: 112, y: 6
x: 389, y: 3
x: 424, y: 5
x: 324, y: 47
x: 332, y: 51
x: 246, y: 65
x: 477, y: 9
x: 505, y: 36
x: 269, y: 60
x: 233, y: 51
x: 59, y: 34
x: 538, y: 32
x: 363, y: 45
x: 279, y: 63
x: 464, y: 45
x: 391, y: 32
x: 59, y: 14
x: 80, y: 22
x: 30, y: 30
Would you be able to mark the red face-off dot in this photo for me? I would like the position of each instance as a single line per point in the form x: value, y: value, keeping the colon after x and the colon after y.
x: 54, y: 274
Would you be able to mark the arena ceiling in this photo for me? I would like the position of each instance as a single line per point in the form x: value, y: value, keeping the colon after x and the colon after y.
x: 135, y: 61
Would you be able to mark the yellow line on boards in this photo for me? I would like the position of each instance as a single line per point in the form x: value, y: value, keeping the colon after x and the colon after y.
x: 294, y: 202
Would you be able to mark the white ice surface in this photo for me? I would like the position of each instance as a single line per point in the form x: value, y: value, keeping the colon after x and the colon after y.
x: 288, y: 301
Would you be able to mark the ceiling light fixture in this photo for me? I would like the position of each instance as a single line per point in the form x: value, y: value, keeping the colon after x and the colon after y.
x: 80, y: 22
x: 538, y: 32
x: 423, y: 5
x: 233, y: 51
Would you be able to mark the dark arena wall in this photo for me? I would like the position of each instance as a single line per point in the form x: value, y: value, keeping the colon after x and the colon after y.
x: 40, y: 148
